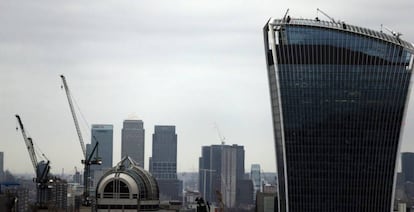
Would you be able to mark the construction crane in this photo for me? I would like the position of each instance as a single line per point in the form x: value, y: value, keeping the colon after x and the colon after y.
x: 41, y: 169
x: 221, y: 137
x: 88, y: 160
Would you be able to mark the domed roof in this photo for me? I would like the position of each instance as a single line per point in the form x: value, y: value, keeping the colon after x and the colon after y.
x: 139, y: 181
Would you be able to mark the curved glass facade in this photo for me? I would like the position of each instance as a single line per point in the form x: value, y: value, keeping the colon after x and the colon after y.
x: 338, y: 103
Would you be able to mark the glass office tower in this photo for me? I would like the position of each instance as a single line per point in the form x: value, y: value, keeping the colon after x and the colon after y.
x: 338, y: 95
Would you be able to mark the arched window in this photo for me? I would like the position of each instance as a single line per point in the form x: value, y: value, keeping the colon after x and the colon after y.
x: 123, y: 190
x: 116, y: 189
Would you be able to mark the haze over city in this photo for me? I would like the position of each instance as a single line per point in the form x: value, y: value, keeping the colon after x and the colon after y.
x: 186, y: 63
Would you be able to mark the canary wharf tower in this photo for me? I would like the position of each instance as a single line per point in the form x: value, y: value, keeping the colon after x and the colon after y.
x: 339, y: 95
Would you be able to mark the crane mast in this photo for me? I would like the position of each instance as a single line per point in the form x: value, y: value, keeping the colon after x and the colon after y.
x: 87, y: 161
x: 29, y: 144
x: 41, y: 170
x: 75, y: 119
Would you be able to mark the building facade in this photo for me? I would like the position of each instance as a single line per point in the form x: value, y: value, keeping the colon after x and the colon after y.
x: 338, y: 95
x: 232, y: 173
x: 209, y: 174
x: 133, y: 141
x: 163, y: 163
x: 1, y: 165
x: 407, y: 166
x: 102, y: 133
x: 256, y: 177
x: 221, y: 170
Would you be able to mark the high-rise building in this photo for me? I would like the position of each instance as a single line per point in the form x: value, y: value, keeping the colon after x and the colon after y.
x: 221, y: 169
x: 232, y: 173
x: 338, y: 98
x: 163, y: 163
x: 133, y: 140
x: 256, y: 177
x: 407, y: 166
x: 102, y: 133
x: 209, y: 179
x: 1, y: 165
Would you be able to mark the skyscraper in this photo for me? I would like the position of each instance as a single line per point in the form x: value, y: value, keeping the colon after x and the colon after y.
x: 163, y: 163
x: 102, y: 133
x: 1, y: 165
x: 133, y: 140
x: 338, y: 96
x: 221, y: 169
x: 232, y: 172
x: 209, y: 179
x: 407, y: 166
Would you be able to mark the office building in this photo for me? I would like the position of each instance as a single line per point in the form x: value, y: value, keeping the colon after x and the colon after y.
x: 102, y: 133
x: 163, y: 163
x: 221, y: 167
x: 232, y: 173
x: 256, y: 177
x: 209, y: 179
x: 338, y: 99
x: 133, y: 140
x: 407, y: 166
x: 1, y: 165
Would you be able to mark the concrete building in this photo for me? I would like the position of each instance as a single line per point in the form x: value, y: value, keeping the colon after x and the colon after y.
x: 232, y: 172
x: 133, y: 141
x: 163, y: 163
x: 266, y: 202
x: 338, y: 99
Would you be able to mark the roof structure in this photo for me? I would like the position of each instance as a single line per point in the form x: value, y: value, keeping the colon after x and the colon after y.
x: 343, y: 27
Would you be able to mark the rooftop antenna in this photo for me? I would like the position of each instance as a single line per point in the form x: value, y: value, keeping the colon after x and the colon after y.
x: 323, y: 13
x: 396, y: 34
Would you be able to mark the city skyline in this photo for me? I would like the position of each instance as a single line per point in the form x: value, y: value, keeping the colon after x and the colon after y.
x: 111, y: 57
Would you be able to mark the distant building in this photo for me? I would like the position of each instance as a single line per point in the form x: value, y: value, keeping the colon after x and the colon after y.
x: 163, y: 163
x: 256, y: 177
x: 232, y: 172
x: 102, y: 133
x: 59, y: 195
x: 220, y: 168
x: 209, y: 179
x: 190, y: 199
x: 133, y: 141
x: 339, y: 95
x: 22, y: 195
x: 244, y: 194
x: 1, y: 165
x: 407, y: 166
x: 266, y: 202
x: 77, y: 177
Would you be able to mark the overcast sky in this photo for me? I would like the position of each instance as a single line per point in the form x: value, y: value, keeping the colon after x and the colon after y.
x: 184, y: 63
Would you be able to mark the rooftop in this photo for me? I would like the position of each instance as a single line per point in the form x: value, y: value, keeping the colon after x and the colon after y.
x: 337, y: 25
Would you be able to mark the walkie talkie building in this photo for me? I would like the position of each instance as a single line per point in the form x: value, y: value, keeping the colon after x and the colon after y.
x: 339, y: 95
